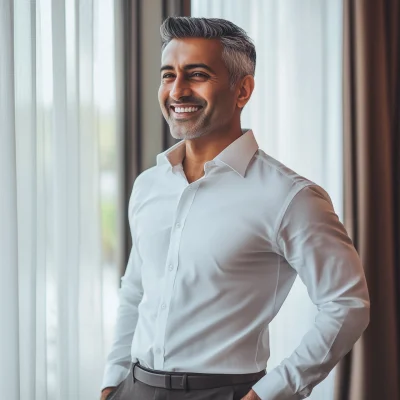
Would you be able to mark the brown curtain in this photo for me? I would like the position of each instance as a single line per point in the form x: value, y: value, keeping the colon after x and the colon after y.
x: 145, y: 132
x: 371, y: 371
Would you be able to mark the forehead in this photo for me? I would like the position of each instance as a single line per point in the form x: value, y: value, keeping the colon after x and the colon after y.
x: 179, y: 52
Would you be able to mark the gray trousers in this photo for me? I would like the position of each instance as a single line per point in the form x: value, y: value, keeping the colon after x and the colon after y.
x: 129, y: 390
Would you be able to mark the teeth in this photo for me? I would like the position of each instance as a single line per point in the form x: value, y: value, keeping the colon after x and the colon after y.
x: 186, y: 109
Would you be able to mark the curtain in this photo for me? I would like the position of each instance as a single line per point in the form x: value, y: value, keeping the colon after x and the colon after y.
x: 372, y: 191
x: 296, y: 114
x: 60, y: 111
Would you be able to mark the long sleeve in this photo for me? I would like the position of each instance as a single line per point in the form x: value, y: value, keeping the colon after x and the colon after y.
x: 130, y: 295
x: 315, y: 243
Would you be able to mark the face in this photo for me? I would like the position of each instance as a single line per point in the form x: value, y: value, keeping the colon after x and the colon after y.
x: 193, y: 74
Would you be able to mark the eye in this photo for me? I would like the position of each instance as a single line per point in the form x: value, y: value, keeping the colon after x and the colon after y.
x: 200, y: 75
x: 195, y: 74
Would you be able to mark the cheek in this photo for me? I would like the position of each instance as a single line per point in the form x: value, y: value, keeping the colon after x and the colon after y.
x: 224, y: 103
x: 162, y: 95
x: 229, y: 102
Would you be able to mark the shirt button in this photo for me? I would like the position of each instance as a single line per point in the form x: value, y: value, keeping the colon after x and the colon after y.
x: 178, y: 225
x: 163, y: 306
x: 171, y: 267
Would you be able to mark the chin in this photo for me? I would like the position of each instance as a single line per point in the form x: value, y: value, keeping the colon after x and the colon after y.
x: 185, y: 133
x: 178, y: 132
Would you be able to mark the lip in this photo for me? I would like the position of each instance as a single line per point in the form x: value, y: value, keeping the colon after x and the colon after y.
x: 185, y: 115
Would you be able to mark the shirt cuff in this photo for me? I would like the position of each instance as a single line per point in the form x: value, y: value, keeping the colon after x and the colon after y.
x: 114, y: 375
x: 273, y: 386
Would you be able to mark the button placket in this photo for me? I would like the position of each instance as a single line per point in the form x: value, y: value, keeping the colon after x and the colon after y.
x: 183, y: 208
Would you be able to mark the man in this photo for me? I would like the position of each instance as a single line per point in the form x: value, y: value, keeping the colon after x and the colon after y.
x: 220, y: 230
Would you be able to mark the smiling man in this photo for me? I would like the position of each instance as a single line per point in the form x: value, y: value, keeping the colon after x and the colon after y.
x: 220, y: 230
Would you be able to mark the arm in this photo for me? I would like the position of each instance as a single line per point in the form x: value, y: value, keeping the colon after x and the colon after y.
x: 130, y: 294
x: 106, y: 391
x: 315, y: 243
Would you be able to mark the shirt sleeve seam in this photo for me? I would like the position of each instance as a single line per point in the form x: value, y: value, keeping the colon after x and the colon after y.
x: 284, y: 209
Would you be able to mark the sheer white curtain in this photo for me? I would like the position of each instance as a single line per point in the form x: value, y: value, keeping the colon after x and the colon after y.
x: 58, y: 108
x: 295, y: 112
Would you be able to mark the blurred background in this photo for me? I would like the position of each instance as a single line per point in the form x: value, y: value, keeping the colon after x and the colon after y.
x: 80, y: 119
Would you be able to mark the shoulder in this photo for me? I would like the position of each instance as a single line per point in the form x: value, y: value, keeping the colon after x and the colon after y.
x: 284, y: 189
x: 285, y: 182
x: 146, y: 177
x: 279, y: 171
x: 142, y: 185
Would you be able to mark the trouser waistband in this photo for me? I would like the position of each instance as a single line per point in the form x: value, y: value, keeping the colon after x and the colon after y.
x: 190, y: 380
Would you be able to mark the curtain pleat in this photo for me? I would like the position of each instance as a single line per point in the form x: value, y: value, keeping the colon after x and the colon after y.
x: 9, y: 341
x: 26, y: 161
x: 41, y: 216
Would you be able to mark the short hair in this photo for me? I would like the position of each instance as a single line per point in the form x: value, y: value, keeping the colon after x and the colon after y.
x: 239, y: 52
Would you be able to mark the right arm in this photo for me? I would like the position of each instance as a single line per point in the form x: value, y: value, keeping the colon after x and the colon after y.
x: 130, y: 294
x: 106, y: 391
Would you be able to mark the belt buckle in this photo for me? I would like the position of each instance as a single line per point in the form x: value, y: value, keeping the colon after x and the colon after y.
x: 167, y: 381
x: 168, y: 384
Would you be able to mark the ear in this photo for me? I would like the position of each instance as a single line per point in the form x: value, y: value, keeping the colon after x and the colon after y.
x: 245, y: 90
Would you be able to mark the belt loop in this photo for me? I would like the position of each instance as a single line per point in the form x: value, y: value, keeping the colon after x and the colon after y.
x: 133, y: 371
x: 167, y: 381
x: 184, y: 382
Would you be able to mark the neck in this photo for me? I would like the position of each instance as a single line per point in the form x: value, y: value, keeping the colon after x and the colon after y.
x: 206, y: 148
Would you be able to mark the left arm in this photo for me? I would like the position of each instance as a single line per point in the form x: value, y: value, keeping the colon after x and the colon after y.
x: 315, y: 243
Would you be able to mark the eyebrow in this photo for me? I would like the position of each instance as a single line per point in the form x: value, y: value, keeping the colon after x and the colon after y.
x: 189, y: 66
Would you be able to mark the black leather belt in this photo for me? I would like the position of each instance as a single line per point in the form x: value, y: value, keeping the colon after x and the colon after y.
x: 190, y: 380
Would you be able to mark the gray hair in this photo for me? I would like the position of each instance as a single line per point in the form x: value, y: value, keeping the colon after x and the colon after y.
x: 239, y: 52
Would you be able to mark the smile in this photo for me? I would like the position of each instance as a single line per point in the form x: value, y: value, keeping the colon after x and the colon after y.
x: 185, y: 112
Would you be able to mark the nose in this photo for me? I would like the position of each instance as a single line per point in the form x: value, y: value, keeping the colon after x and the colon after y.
x: 180, y: 89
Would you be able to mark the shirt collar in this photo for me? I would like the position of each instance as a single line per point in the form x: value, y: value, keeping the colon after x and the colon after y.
x: 237, y: 155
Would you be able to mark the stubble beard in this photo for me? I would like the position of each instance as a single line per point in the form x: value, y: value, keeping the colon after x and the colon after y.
x: 187, y: 130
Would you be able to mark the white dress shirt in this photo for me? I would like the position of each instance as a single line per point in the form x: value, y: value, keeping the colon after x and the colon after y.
x: 213, y: 261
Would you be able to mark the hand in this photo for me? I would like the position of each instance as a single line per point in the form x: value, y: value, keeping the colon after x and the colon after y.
x: 106, y: 391
x: 252, y: 395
